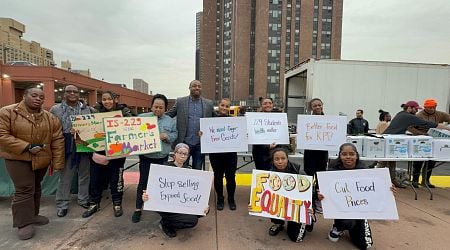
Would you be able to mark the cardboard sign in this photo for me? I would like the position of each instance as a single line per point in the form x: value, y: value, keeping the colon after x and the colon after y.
x: 281, y: 196
x: 131, y: 136
x: 357, y: 194
x: 178, y: 190
x: 321, y: 132
x: 90, y: 131
x: 266, y: 128
x: 224, y: 134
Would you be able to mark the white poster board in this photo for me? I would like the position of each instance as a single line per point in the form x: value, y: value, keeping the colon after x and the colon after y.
x: 266, y: 128
x: 321, y: 132
x: 223, y: 134
x: 357, y: 194
x: 281, y: 196
x: 178, y: 190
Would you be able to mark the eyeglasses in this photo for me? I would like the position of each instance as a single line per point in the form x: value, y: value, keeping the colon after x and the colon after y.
x: 182, y: 154
x: 72, y: 91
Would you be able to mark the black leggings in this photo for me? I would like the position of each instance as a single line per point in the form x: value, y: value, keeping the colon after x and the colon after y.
x: 224, y: 163
x: 144, y: 169
x: 360, y: 233
x: 178, y: 221
x: 101, y: 176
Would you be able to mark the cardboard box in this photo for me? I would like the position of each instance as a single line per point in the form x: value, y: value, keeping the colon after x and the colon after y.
x: 421, y: 146
x: 357, y: 141
x: 397, y: 146
x: 374, y: 147
x: 441, y: 148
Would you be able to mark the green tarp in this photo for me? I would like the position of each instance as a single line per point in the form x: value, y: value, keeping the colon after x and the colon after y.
x: 49, y: 183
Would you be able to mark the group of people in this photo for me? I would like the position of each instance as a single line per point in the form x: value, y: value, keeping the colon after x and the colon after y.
x: 32, y: 139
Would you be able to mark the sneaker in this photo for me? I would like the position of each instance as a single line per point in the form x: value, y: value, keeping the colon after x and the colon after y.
x: 136, y: 216
x: 93, y: 208
x: 335, y: 234
x: 169, y: 231
x: 220, y: 203
x: 232, y: 204
x: 275, y: 229
x: 26, y: 232
x: 40, y: 220
x: 118, y: 211
x: 318, y: 207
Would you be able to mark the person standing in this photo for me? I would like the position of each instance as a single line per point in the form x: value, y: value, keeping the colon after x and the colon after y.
x: 167, y: 134
x: 188, y: 110
x: 407, y: 120
x: 224, y: 164
x: 358, y: 125
x: 75, y: 162
x: 261, y: 153
x: 31, y: 140
x: 385, y: 119
x: 107, y: 171
x: 315, y: 160
x: 429, y: 113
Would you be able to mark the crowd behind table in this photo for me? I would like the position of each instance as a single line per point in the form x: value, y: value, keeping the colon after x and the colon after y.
x: 33, y: 139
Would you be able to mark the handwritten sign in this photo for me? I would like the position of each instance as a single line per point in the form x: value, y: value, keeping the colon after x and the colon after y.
x: 266, y: 128
x: 178, y: 190
x: 90, y: 131
x: 321, y: 132
x: 224, y: 134
x: 281, y: 196
x: 131, y: 136
x: 357, y: 194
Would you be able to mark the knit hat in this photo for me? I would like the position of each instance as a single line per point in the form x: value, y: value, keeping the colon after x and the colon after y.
x: 181, y: 145
x: 430, y: 103
x: 413, y: 104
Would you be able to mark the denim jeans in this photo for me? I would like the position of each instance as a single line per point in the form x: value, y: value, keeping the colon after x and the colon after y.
x: 197, y: 157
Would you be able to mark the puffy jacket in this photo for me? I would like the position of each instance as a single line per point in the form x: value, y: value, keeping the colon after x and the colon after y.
x: 19, y: 128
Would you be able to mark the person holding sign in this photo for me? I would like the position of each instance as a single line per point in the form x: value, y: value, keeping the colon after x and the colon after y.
x: 360, y: 233
x: 315, y: 160
x: 167, y: 134
x: 224, y: 163
x: 170, y: 222
x: 296, y: 231
x: 103, y: 171
x: 261, y: 153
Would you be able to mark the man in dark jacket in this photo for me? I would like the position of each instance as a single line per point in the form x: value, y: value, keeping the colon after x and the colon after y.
x: 358, y: 125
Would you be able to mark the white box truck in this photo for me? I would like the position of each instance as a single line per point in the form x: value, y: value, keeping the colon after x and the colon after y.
x: 345, y: 86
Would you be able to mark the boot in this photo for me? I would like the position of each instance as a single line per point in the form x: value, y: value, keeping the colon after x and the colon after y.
x: 220, y: 203
x: 117, y: 207
x: 93, y: 208
x: 26, y: 232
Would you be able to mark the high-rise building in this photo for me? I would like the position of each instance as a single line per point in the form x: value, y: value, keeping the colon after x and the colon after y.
x: 140, y: 85
x: 198, y: 25
x: 14, y: 48
x: 247, y: 45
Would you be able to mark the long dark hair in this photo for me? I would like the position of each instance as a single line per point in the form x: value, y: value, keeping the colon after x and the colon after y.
x: 338, y: 161
x: 382, y: 114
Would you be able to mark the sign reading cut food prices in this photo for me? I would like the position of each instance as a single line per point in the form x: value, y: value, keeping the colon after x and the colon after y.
x: 281, y: 196
x: 178, y: 190
x: 90, y: 131
x: 321, y: 132
x: 357, y: 194
x: 266, y: 128
x: 131, y: 136
x: 224, y: 134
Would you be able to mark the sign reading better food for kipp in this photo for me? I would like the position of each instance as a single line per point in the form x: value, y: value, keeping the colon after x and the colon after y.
x: 131, y: 136
x: 281, y: 196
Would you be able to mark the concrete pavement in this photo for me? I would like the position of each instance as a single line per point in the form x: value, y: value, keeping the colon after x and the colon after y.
x: 423, y: 224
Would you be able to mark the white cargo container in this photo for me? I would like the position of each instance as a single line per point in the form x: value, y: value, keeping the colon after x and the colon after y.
x: 345, y: 86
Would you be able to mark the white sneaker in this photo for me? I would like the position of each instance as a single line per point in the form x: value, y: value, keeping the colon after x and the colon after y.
x: 335, y: 234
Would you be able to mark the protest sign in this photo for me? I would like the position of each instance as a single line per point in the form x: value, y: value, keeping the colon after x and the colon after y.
x: 281, y: 196
x: 357, y: 194
x: 223, y: 134
x: 266, y: 128
x: 321, y: 132
x: 90, y: 131
x: 131, y: 136
x: 178, y: 190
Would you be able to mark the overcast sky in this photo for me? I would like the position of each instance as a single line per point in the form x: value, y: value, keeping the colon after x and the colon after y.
x: 155, y: 39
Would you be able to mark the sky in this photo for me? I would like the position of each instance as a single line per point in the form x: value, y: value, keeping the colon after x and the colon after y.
x: 155, y: 39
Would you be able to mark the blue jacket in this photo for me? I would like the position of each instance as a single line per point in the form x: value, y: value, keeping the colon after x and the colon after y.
x: 166, y: 125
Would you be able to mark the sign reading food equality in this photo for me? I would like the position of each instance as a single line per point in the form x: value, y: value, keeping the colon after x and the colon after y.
x: 281, y: 196
x: 178, y: 190
x: 131, y: 136
x: 321, y: 132
x: 223, y: 134
x: 90, y: 135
